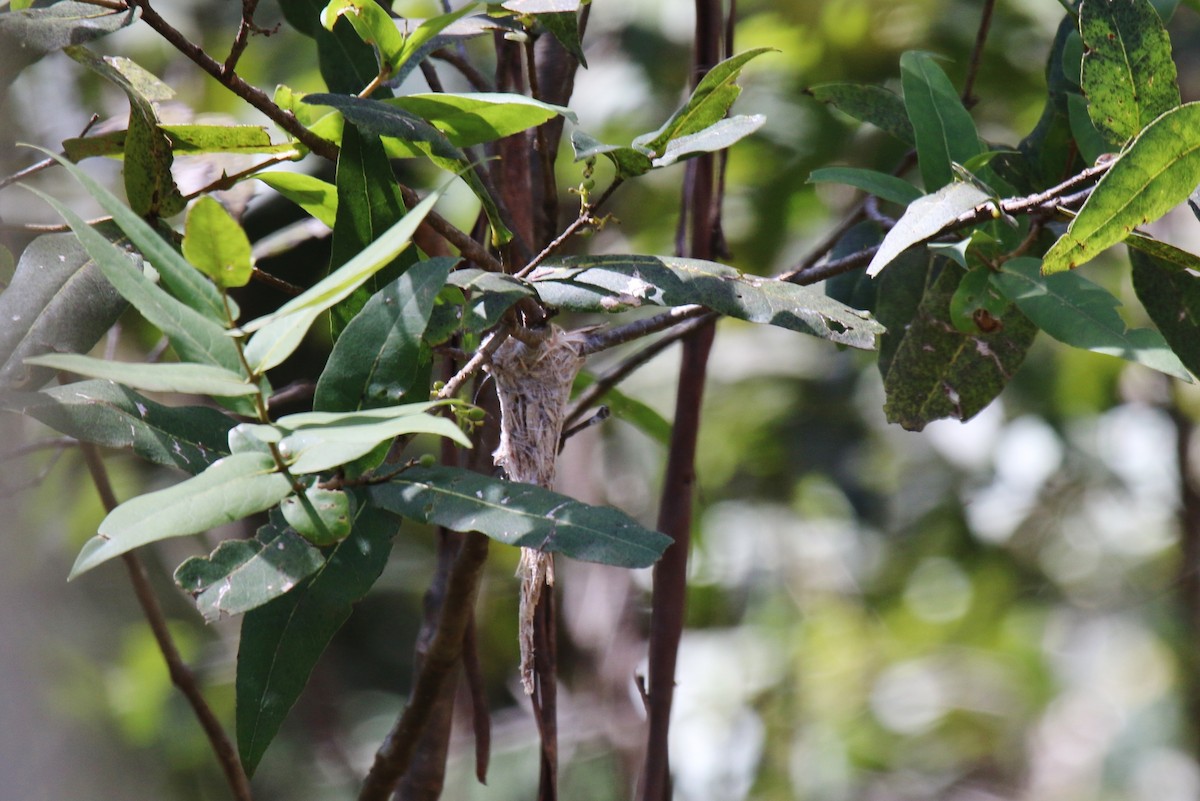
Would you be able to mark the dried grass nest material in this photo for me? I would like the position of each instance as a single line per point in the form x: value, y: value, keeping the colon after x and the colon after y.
x: 534, y: 385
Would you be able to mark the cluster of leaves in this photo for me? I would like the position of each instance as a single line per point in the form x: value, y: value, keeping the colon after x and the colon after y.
x: 334, y: 498
x: 981, y: 258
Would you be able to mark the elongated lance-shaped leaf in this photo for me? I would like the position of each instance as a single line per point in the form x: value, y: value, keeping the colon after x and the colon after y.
x: 879, y: 184
x: 185, y: 140
x: 188, y: 437
x: 935, y: 371
x: 194, y: 336
x: 617, y: 283
x: 27, y: 34
x: 373, y: 26
x: 184, y: 280
x: 368, y: 204
x: 718, y: 136
x: 1128, y: 72
x: 426, y: 31
x: 278, y: 339
x: 198, y: 379
x: 230, y: 489
x: 381, y: 119
x: 925, y: 217
x: 1170, y: 293
x: 868, y: 103
x: 347, y: 63
x: 520, y: 514
x: 319, y: 198
x: 475, y: 118
x: 710, y: 101
x: 57, y: 300
x: 1082, y: 314
x: 375, y: 360
x: 1153, y: 175
x: 314, y: 448
x: 944, y: 130
x: 241, y: 575
x: 629, y: 161
x: 281, y: 641
x: 339, y: 284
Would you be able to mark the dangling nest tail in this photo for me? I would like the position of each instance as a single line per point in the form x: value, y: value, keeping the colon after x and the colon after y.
x: 534, y: 384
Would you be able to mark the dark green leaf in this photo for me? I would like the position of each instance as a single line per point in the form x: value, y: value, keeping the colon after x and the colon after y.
x: 28, y: 34
x: 629, y: 161
x: 381, y: 119
x: 58, y: 300
x: 937, y: 371
x: 631, y: 410
x: 868, y: 103
x: 1157, y: 172
x: 1048, y: 151
x: 375, y: 360
x: 281, y: 642
x: 564, y: 26
x: 368, y: 203
x: 230, y: 489
x: 373, y: 26
x: 241, y: 575
x: 944, y: 131
x: 491, y: 295
x: 520, y: 514
x: 1073, y: 310
x: 1170, y: 293
x: 880, y: 184
x: 924, y: 218
x: 1128, y: 72
x: 189, y: 437
x: 1090, y: 142
x: 617, y: 283
x: 347, y: 63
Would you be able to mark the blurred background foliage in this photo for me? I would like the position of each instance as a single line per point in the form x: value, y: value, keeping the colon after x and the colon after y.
x: 1005, y: 609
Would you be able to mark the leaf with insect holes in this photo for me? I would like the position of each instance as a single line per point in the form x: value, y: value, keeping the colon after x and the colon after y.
x: 520, y: 514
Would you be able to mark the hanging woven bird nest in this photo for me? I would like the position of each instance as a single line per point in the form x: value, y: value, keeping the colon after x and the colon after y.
x: 533, y: 382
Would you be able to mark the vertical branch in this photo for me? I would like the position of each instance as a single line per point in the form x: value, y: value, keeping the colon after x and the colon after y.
x: 1188, y: 580
x: 701, y: 208
x: 985, y: 25
x: 181, y: 676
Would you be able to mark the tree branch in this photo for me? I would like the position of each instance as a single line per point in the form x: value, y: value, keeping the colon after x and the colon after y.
x: 181, y: 676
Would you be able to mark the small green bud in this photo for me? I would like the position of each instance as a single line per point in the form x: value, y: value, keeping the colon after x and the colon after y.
x: 475, y: 413
x: 427, y: 460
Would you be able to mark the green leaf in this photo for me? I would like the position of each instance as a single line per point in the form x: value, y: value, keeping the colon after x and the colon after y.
x: 617, y: 283
x: 188, y: 437
x: 319, y: 198
x: 937, y: 371
x: 492, y: 294
x: 1170, y: 293
x: 1128, y: 72
x: 241, y: 575
x: 476, y: 118
x: 272, y: 344
x: 199, y: 379
x: 710, y: 101
x: 30, y: 33
x: 868, y: 103
x: 520, y: 514
x: 184, y: 280
x: 630, y: 162
x: 375, y: 360
x: 880, y: 184
x: 381, y: 119
x: 323, y: 440
x: 368, y: 204
x: 718, y: 136
x: 281, y: 641
x: 185, y: 140
x: 230, y: 489
x: 58, y: 299
x: 149, y: 184
x: 944, y: 131
x: 193, y: 336
x: 347, y: 63
x: 1153, y: 175
x: 1049, y: 154
x: 427, y: 30
x: 1090, y: 142
x: 216, y: 245
x: 339, y: 284
x: 373, y: 26
x: 332, y: 509
x: 1075, y: 311
x: 631, y: 410
x: 564, y: 27
x: 924, y: 218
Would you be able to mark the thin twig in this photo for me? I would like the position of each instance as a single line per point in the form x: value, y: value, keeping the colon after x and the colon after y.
x: 985, y: 24
x: 181, y: 676
x: 246, y: 27
x: 493, y: 341
x: 611, y: 337
x: 445, y: 650
x: 34, y: 169
x: 474, y: 77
